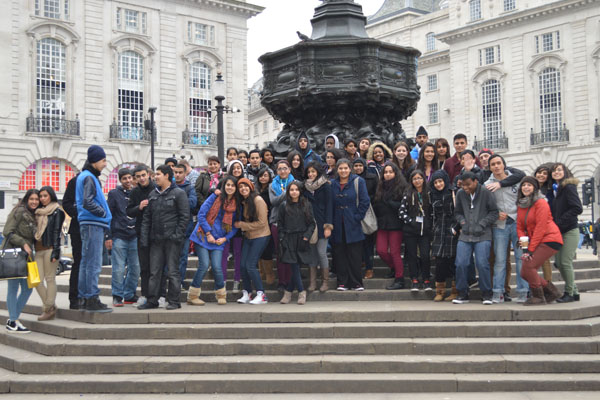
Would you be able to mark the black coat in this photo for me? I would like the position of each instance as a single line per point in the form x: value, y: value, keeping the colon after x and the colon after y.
x: 70, y: 205
x: 122, y: 226
x: 386, y: 211
x: 293, y: 227
x: 566, y: 205
x: 52, y: 235
x: 167, y: 216
x: 136, y: 196
x: 372, y: 181
x: 444, y: 242
x: 417, y: 220
x: 322, y: 207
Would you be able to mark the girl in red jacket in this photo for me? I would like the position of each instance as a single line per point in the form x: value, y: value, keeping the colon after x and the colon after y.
x: 534, y: 220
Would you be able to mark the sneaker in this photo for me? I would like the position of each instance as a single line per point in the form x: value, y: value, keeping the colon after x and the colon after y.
x: 497, y: 298
x: 132, y: 300
x: 487, y: 301
x: 236, y: 286
x: 141, y: 301
x: 507, y: 297
x: 162, y: 302
x: 342, y: 288
x: 473, y: 283
x: 427, y: 286
x: 245, y: 299
x: 461, y: 299
x: 415, y: 286
x: 522, y: 297
x: 16, y: 327
x: 117, y: 301
x: 93, y: 304
x: 147, y: 306
x: 260, y: 298
x: 173, y: 306
x: 397, y: 285
x: 359, y: 289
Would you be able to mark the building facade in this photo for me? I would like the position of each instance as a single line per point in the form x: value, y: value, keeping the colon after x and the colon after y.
x: 86, y: 72
x: 519, y: 77
x: 262, y: 127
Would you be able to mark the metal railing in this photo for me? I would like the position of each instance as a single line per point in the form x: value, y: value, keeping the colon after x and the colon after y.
x: 130, y: 132
x: 52, y: 125
x: 544, y: 137
x: 492, y: 143
x: 198, y: 138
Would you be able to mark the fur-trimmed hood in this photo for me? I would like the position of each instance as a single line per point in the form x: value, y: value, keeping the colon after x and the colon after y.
x: 569, y: 181
x: 385, y: 148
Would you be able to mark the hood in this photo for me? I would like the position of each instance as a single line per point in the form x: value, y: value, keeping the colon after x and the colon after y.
x: 184, y: 184
x: 232, y: 163
x: 364, y: 163
x: 439, y: 174
x: 335, y: 139
x: 569, y: 181
x: 305, y: 152
x: 386, y: 150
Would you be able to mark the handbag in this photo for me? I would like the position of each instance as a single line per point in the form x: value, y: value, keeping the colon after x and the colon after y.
x: 314, y: 238
x: 13, y: 262
x: 369, y: 222
x: 33, y: 274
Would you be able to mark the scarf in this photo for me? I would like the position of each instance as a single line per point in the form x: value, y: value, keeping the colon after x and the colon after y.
x: 41, y: 217
x: 214, y: 180
x: 227, y: 221
x: 312, y: 186
x: 280, y: 185
x: 528, y: 201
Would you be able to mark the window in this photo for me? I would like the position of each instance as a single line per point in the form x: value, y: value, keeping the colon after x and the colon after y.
x: 57, y: 9
x: 200, y: 98
x: 475, y: 9
x: 28, y: 178
x: 50, y: 85
x: 131, y: 20
x: 131, y: 96
x: 255, y: 130
x: 47, y: 172
x: 509, y: 5
x: 550, y: 101
x: 492, y: 110
x: 489, y: 55
x: 547, y: 42
x: 433, y: 113
x: 430, y: 38
x: 432, y: 82
x: 201, y: 34
x: 113, y: 178
x: 265, y: 126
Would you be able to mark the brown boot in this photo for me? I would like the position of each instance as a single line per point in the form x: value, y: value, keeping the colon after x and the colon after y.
x: 270, y: 275
x: 453, y: 293
x: 193, y: 297
x: 368, y: 274
x: 302, y: 297
x: 46, y: 315
x: 551, y: 293
x: 440, y: 291
x: 537, y: 297
x: 287, y: 297
x: 261, y: 270
x: 325, y: 285
x: 312, y: 279
x: 221, y: 296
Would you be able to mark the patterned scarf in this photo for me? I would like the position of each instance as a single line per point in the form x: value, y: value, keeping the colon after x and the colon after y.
x: 214, y: 180
x: 41, y: 217
x: 227, y: 221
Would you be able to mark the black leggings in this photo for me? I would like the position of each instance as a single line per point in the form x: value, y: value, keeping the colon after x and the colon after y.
x: 416, y: 268
x: 444, y: 268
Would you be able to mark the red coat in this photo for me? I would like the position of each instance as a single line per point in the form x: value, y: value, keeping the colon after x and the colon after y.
x: 540, y: 225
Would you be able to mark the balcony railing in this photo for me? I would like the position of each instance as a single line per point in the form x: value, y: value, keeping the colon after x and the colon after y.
x: 199, y: 138
x: 498, y: 143
x: 130, y: 132
x: 596, y: 130
x: 550, y: 137
x: 52, y: 125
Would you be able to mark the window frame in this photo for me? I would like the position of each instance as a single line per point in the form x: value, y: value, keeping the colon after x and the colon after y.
x: 210, y: 34
x: 539, y: 42
x: 432, y: 78
x: 491, y: 108
x: 546, y: 114
x: 433, y: 109
x: 62, y: 9
x: 202, y: 96
x: 509, y: 5
x: 33, y: 174
x: 131, y: 91
x: 121, y: 21
x: 475, y: 11
x: 496, y: 55
x: 430, y: 42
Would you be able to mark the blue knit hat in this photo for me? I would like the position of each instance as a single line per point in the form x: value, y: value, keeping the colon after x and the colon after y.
x: 95, y: 154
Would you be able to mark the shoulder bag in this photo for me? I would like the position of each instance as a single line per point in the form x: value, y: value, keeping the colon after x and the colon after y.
x: 369, y: 222
x: 13, y: 262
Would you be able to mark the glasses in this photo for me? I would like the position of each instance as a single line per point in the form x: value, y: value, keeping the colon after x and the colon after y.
x: 282, y: 169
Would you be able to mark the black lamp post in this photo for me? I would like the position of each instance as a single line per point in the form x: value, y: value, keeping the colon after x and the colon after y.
x: 219, y: 90
x: 150, y: 126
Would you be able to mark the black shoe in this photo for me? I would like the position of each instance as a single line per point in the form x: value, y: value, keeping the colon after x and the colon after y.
x: 398, y: 284
x: 461, y: 299
x: 576, y: 297
x: 173, y: 306
x: 16, y: 327
x: 427, y: 286
x: 147, y: 306
x: 75, y: 304
x: 507, y: 297
x: 391, y: 274
x: 566, y: 298
x: 93, y: 304
x: 132, y: 300
x: 415, y: 286
x: 472, y: 283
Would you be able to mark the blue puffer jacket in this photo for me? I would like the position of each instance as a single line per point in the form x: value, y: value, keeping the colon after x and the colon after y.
x: 345, y: 209
x: 216, y: 230
x: 92, y: 208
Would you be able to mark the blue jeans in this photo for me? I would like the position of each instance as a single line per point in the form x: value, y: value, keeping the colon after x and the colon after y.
x: 251, y: 251
x: 183, y: 258
x: 92, y: 243
x: 124, y: 253
x: 205, y: 257
x: 14, y: 303
x: 464, y: 250
x: 296, y: 280
x: 502, y: 240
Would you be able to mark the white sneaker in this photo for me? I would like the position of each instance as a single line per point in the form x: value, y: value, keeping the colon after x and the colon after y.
x: 522, y: 297
x: 245, y: 299
x: 260, y: 298
x: 162, y: 302
x: 497, y: 298
x: 142, y: 300
x: 236, y: 286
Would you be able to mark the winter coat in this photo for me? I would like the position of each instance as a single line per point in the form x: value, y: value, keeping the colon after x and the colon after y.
x: 322, y: 207
x: 277, y: 200
x: 346, y: 215
x: 540, y: 225
x: 308, y: 154
x: 202, y: 187
x: 416, y: 218
x: 476, y: 216
x: 293, y: 227
x: 252, y: 173
x: 371, y: 179
x: 260, y: 227
x: 444, y: 242
x: 137, y: 195
x: 566, y: 205
x: 191, y: 196
x: 167, y: 216
x: 265, y: 196
x: 478, y: 174
x: 216, y: 229
x: 21, y: 223
x: 386, y: 211
x: 92, y: 208
x: 69, y: 204
x: 506, y: 200
x: 122, y: 226
x: 53, y: 233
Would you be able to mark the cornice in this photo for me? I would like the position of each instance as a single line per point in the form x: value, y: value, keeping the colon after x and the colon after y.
x: 435, y: 58
x: 516, y: 18
x: 234, y: 6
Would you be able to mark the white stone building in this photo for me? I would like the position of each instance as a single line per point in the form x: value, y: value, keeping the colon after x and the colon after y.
x: 82, y: 72
x: 262, y: 127
x: 520, y: 77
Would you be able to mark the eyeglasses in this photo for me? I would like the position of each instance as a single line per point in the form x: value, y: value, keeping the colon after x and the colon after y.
x: 282, y: 169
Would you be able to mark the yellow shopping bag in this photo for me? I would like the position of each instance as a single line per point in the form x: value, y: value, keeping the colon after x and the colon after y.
x: 33, y: 274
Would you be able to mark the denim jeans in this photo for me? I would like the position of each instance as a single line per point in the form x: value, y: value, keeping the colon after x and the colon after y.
x: 185, y: 249
x: 251, y: 251
x: 92, y: 244
x: 236, y: 244
x: 296, y: 280
x: 502, y: 240
x: 14, y: 303
x: 205, y: 257
x: 464, y: 250
x: 124, y: 253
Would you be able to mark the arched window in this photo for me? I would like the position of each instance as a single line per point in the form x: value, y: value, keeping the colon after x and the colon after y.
x: 430, y: 40
x: 550, y: 103
x: 492, y: 111
x: 113, y: 178
x: 51, y: 85
x: 130, y: 96
x: 200, y: 102
x: 47, y: 172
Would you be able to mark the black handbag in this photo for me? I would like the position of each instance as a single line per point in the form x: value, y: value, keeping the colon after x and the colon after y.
x: 13, y: 262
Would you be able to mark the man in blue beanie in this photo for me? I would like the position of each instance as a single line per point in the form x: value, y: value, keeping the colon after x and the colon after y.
x: 94, y: 219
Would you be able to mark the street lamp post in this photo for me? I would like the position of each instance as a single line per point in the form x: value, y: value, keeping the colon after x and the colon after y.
x: 152, y: 110
x: 219, y: 90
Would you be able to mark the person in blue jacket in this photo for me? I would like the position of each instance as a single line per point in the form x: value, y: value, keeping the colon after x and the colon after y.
x: 303, y: 146
x: 349, y: 208
x: 213, y: 230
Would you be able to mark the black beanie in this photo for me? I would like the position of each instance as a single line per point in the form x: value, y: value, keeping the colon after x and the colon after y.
x: 422, y: 131
x: 95, y: 153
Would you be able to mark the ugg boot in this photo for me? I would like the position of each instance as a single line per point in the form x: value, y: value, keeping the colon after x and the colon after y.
x: 453, y: 293
x: 287, y: 297
x: 193, y: 297
x: 270, y: 275
x: 440, y: 291
x: 302, y: 297
x: 221, y: 296
x: 537, y: 297
x: 46, y: 315
x: 312, y: 279
x: 325, y: 285
x: 261, y: 270
x: 551, y: 293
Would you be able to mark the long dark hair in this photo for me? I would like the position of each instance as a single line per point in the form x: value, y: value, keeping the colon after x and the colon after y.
x: 412, y: 193
x: 223, y: 195
x: 393, y: 190
x: 298, y: 173
x: 568, y: 173
x: 261, y: 172
x: 435, y: 165
x: 25, y: 199
x: 51, y: 193
x: 302, y: 201
x: 548, y: 184
x: 317, y: 167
